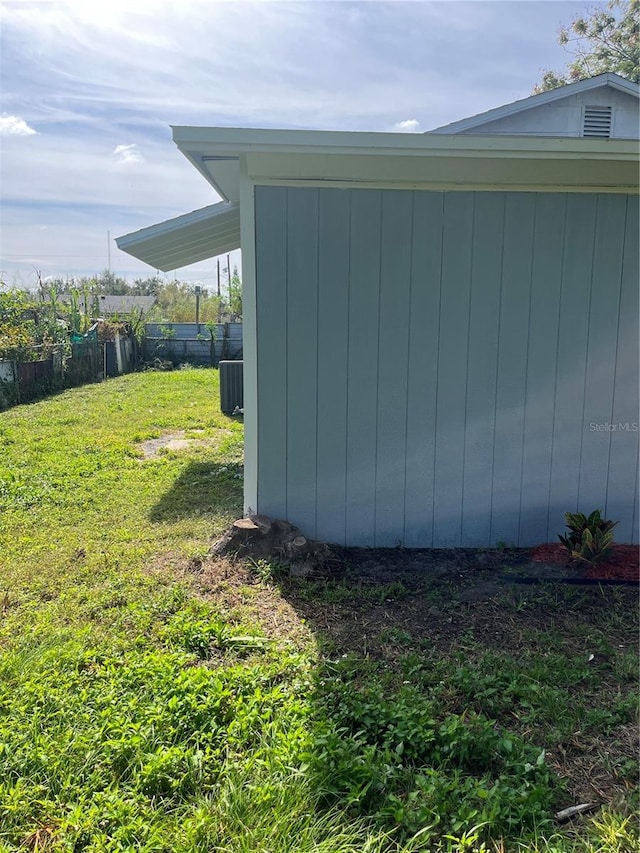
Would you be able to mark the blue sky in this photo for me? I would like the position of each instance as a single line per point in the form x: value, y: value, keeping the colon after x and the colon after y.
x: 90, y: 87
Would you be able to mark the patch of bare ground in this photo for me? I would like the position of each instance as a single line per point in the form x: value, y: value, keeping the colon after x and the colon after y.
x: 176, y: 441
x: 242, y: 595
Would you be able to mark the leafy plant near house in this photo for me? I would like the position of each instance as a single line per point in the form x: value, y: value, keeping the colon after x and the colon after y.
x: 590, y: 537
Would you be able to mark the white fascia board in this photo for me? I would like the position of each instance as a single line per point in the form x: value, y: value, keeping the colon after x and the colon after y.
x: 622, y: 84
x: 204, y: 144
x: 186, y: 239
x: 608, y: 79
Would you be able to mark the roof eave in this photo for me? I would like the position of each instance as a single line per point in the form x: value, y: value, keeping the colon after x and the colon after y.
x: 186, y: 239
x: 223, y: 143
x: 360, y: 159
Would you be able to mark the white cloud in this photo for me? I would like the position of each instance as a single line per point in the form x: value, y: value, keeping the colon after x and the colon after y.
x: 90, y: 183
x: 128, y: 154
x: 14, y: 126
x: 410, y: 125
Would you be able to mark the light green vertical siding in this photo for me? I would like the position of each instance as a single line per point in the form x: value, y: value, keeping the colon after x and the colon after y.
x: 511, y: 378
x: 271, y: 225
x: 481, y: 384
x: 362, y: 365
x: 395, y: 284
x: 429, y: 363
x: 301, y: 337
x: 602, y: 334
x: 333, y: 355
x: 451, y: 385
x: 423, y: 334
x: 542, y: 356
x: 623, y: 474
x: 568, y: 399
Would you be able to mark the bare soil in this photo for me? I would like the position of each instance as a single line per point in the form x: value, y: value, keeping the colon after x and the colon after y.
x: 174, y: 441
x: 380, y: 604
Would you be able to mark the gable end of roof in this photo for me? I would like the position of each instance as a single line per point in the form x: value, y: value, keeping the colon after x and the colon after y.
x: 614, y: 81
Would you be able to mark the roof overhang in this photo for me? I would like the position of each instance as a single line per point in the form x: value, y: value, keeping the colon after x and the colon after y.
x: 225, y: 156
x: 195, y: 236
x: 410, y: 160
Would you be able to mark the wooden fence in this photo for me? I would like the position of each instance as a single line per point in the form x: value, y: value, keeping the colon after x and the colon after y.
x: 44, y: 370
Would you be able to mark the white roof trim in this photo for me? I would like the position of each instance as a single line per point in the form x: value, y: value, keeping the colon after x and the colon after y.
x: 207, y: 144
x: 393, y: 157
x: 223, y: 155
x: 186, y: 239
x: 413, y: 160
x: 609, y: 79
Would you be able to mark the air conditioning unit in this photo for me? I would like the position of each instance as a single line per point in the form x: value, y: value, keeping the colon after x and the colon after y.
x: 231, y: 386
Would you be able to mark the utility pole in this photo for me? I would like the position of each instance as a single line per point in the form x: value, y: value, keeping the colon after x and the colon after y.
x: 198, y: 289
x: 109, y: 250
x: 218, y: 277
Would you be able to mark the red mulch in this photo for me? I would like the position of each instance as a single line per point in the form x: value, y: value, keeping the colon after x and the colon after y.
x: 623, y: 564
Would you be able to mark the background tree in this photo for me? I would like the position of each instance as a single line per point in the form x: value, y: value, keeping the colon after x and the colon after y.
x: 606, y: 39
x: 150, y: 286
x: 235, y: 296
x: 176, y: 303
x: 175, y: 300
x: 108, y: 283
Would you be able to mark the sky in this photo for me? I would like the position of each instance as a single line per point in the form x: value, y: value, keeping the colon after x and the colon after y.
x: 88, y: 89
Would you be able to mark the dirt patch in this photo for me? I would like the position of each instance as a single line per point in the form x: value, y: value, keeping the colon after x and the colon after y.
x: 175, y: 441
x: 262, y: 537
x: 446, y: 606
x: 242, y: 595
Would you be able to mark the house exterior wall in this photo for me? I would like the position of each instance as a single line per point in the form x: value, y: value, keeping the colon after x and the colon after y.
x: 565, y: 117
x: 444, y: 369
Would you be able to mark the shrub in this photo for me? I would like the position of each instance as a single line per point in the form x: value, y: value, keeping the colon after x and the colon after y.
x: 590, y: 537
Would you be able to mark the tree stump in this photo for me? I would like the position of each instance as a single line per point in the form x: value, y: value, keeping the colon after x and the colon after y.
x: 262, y: 537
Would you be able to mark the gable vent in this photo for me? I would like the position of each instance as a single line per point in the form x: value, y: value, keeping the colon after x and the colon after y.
x: 597, y: 122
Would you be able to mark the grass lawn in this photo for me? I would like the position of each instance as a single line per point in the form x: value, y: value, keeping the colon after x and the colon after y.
x: 153, y: 698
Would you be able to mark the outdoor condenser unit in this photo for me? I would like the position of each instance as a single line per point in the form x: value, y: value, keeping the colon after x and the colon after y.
x: 231, y: 386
